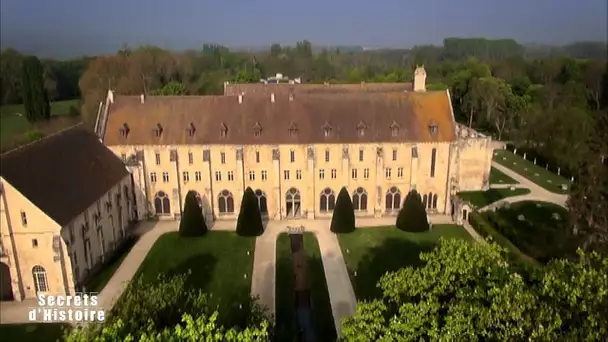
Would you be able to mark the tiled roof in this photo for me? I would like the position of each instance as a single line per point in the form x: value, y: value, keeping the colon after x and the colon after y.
x: 63, y: 174
x: 308, y: 88
x: 383, y: 117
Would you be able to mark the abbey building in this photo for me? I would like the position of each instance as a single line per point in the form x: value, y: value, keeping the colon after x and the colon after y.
x: 296, y: 145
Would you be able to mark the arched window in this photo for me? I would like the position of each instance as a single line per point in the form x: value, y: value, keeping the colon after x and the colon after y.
x: 225, y: 202
x: 327, y: 200
x: 393, y: 199
x: 293, y: 203
x: 41, y: 282
x: 435, y: 201
x: 162, y: 204
x: 429, y: 204
x: 360, y: 199
x: 262, y: 202
x: 198, y: 198
x: 425, y: 200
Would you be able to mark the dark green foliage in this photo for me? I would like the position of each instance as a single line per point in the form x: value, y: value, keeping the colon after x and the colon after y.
x: 35, y: 97
x: 192, y: 222
x: 249, y: 222
x: 343, y: 219
x: 412, y: 217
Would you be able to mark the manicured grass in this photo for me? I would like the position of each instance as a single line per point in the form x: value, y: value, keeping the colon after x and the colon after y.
x: 33, y: 332
x: 323, y: 320
x: 372, y: 252
x: 12, y: 117
x: 482, y: 198
x: 219, y: 263
x: 99, y: 281
x: 497, y: 177
x: 539, y: 235
x: 528, y: 169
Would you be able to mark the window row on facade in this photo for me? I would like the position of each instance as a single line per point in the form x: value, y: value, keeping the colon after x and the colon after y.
x: 292, y: 157
x: 333, y: 174
x: 293, y: 201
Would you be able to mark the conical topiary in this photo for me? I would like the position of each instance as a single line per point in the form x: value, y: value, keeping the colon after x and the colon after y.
x: 343, y: 219
x: 192, y: 222
x: 249, y: 222
x: 412, y: 217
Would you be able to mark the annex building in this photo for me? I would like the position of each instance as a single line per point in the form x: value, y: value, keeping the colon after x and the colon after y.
x: 296, y: 146
x: 65, y: 206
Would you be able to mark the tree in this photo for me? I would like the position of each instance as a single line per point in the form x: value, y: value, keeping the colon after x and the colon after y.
x: 171, y: 89
x: 343, y: 219
x: 35, y: 98
x: 192, y: 222
x: 412, y: 217
x: 469, y: 291
x: 249, y: 222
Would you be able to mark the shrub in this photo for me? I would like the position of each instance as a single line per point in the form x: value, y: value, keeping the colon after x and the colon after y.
x: 343, y: 219
x: 192, y: 222
x: 412, y: 217
x: 249, y: 222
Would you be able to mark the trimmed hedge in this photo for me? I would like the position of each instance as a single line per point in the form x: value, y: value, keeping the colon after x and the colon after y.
x: 249, y: 222
x: 486, y: 229
x: 412, y: 217
x: 192, y: 222
x: 343, y: 219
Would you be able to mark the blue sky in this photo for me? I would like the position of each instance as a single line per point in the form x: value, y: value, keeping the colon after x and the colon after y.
x: 66, y: 27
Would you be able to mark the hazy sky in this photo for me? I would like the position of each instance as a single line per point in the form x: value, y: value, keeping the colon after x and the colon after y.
x: 66, y: 27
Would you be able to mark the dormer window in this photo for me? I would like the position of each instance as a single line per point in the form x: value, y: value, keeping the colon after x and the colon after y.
x: 223, y: 130
x: 257, y: 130
x: 394, y: 129
x: 124, y: 130
x: 361, y: 128
x: 433, y: 128
x: 158, y: 131
x: 293, y: 130
x: 191, y: 129
x: 327, y: 129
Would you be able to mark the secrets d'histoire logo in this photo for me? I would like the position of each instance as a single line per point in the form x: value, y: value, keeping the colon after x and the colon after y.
x: 81, y: 307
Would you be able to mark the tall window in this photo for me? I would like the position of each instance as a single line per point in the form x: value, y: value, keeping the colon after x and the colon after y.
x: 162, y: 204
x: 292, y: 156
x: 225, y: 202
x: 157, y: 157
x: 257, y: 157
x: 400, y: 172
x: 190, y: 158
x: 223, y: 157
x: 41, y: 282
x: 393, y: 199
x: 298, y: 174
x: 360, y: 155
x: 262, y: 202
x: 153, y: 177
x: 360, y: 199
x: 230, y: 176
x: 334, y: 173
x: 165, y: 177
x: 327, y: 200
x: 197, y: 176
x: 264, y: 175
x: 366, y: 173
x: 326, y: 155
x: 218, y: 176
x: 394, y: 154
x: 286, y: 174
x: 354, y: 173
x: 321, y: 174
x: 388, y: 172
x: 429, y: 201
x: 251, y: 175
x: 186, y: 175
x: 433, y: 159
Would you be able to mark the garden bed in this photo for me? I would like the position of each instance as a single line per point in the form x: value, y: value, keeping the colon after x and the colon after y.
x: 535, y: 173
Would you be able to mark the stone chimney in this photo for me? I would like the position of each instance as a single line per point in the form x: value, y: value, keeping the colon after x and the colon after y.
x: 142, y: 98
x: 420, y: 79
x: 272, y: 97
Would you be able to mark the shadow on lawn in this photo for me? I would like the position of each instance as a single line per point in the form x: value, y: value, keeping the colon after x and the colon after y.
x: 391, y: 255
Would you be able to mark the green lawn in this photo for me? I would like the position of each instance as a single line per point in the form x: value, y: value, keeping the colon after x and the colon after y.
x: 33, y: 332
x: 482, y: 198
x: 497, y: 177
x: 535, y: 173
x: 539, y: 235
x: 371, y: 252
x: 12, y: 117
x: 99, y: 281
x: 219, y: 263
x: 321, y: 306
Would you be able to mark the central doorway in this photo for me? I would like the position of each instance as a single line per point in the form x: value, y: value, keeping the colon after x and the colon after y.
x: 293, y: 203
